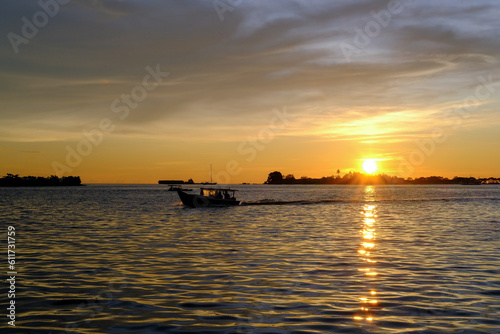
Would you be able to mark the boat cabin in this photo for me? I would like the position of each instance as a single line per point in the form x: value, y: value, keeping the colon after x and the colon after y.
x: 218, y: 193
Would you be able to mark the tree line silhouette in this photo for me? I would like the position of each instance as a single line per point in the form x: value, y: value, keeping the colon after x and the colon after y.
x: 361, y: 178
x: 14, y: 180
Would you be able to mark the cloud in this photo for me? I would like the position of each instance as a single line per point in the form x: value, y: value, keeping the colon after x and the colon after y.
x: 231, y: 74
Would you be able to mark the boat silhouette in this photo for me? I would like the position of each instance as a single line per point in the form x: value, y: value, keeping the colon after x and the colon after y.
x: 209, y: 197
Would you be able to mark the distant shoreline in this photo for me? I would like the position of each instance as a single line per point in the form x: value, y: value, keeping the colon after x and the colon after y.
x: 275, y: 178
x: 14, y: 180
x: 380, y: 179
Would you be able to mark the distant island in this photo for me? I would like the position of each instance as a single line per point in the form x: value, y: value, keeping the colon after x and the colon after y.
x: 361, y: 178
x: 14, y: 180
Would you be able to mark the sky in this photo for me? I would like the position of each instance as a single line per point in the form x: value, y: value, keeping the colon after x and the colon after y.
x: 126, y: 91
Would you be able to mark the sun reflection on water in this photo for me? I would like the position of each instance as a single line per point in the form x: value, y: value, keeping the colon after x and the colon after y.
x: 368, y: 232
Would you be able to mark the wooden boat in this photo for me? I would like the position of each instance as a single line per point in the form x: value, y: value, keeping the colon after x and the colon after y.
x: 209, y: 197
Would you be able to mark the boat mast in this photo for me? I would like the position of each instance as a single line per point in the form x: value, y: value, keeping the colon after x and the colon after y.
x: 210, y: 173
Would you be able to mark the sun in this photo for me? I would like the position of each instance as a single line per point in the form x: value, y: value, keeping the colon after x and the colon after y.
x: 370, y: 166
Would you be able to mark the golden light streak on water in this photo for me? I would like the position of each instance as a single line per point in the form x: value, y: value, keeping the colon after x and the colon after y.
x: 367, y: 234
x: 367, y: 245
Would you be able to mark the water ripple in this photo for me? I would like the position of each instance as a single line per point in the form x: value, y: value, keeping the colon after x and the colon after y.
x: 126, y: 259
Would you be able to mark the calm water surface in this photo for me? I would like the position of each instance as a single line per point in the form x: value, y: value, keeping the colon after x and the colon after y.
x: 327, y: 259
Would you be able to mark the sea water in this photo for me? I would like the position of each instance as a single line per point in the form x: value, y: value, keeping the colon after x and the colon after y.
x: 292, y: 259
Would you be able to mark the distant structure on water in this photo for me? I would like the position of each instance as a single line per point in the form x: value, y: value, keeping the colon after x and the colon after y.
x: 190, y: 181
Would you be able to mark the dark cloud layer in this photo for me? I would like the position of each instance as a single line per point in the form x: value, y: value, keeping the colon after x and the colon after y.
x: 262, y: 55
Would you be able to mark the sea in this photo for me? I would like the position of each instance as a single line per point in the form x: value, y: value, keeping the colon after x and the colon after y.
x: 290, y: 259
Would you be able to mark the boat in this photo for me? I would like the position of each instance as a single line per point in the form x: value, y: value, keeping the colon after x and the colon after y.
x: 209, y: 197
x: 209, y: 183
x: 174, y: 188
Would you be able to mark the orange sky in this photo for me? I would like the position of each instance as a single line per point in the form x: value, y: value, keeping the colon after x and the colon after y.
x: 134, y: 92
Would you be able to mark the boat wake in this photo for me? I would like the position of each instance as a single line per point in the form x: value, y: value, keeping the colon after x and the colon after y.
x: 326, y: 201
x: 296, y: 202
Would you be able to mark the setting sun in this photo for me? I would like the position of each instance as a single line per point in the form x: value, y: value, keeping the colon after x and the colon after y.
x: 370, y: 166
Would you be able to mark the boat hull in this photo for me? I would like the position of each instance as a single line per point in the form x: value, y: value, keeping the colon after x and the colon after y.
x: 197, y: 201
